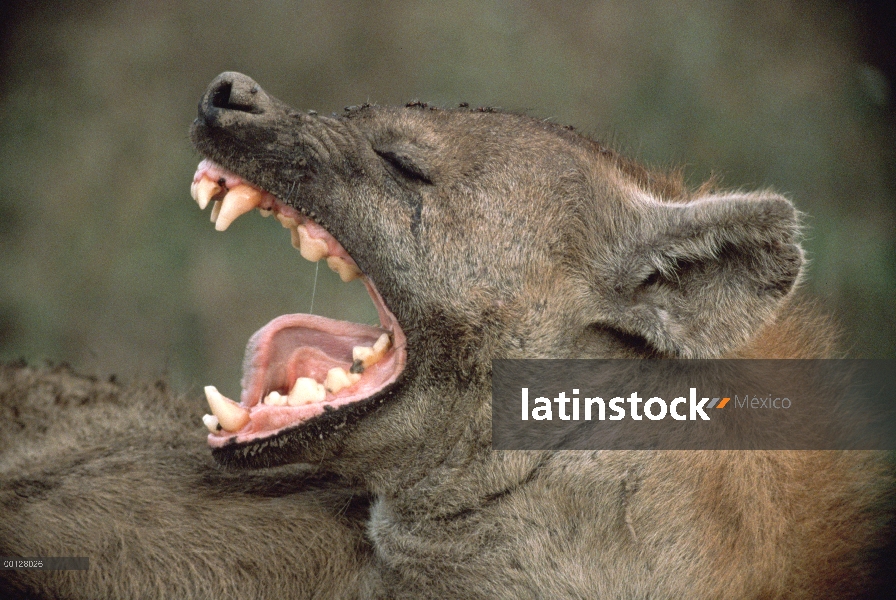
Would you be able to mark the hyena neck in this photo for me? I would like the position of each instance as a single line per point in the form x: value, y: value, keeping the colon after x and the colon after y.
x: 800, y: 330
x: 454, y: 489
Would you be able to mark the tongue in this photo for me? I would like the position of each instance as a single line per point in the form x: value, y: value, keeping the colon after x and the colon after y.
x: 299, y: 345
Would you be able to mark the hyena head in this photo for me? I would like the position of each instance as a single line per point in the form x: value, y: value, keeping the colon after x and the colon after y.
x: 479, y: 235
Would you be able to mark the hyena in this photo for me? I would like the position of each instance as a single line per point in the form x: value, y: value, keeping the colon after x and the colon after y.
x: 479, y: 235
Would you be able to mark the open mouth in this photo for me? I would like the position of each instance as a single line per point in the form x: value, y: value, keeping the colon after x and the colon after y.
x: 298, y: 366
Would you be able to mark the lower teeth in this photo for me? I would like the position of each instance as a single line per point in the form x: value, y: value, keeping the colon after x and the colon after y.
x: 275, y: 399
x: 211, y: 421
x: 338, y: 379
x: 306, y: 391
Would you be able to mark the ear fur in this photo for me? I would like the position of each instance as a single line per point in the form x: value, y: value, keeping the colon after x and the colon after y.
x: 702, y: 277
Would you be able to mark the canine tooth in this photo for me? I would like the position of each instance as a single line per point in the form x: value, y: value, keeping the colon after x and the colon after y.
x: 230, y: 415
x: 211, y: 422
x: 287, y: 222
x: 338, y: 379
x: 265, y: 212
x: 295, y: 239
x: 306, y: 391
x: 312, y: 249
x: 193, y: 187
x: 216, y: 210
x: 275, y: 399
x: 206, y: 189
x: 346, y: 271
x: 367, y: 356
x: 237, y: 202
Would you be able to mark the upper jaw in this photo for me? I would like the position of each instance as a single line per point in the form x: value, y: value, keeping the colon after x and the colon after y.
x: 226, y: 153
x: 298, y: 367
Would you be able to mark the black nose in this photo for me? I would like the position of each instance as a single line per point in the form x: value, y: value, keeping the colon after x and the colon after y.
x: 232, y: 97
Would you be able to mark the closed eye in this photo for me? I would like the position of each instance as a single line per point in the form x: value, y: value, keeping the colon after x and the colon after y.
x: 403, y: 166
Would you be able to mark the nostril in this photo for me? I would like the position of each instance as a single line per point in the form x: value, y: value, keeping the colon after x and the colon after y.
x: 221, y: 96
x: 228, y: 97
x: 233, y: 98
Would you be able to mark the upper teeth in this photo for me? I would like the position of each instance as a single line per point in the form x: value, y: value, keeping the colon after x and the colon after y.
x: 347, y: 271
x: 287, y: 222
x: 312, y: 249
x: 204, y: 190
x: 238, y: 201
x: 242, y: 198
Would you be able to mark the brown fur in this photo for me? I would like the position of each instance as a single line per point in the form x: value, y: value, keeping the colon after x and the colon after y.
x: 489, y: 235
x: 121, y: 475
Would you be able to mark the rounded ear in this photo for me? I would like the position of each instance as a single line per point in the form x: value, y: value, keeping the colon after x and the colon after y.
x: 700, y: 278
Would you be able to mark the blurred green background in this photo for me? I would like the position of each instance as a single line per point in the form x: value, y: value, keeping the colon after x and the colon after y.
x: 108, y: 264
